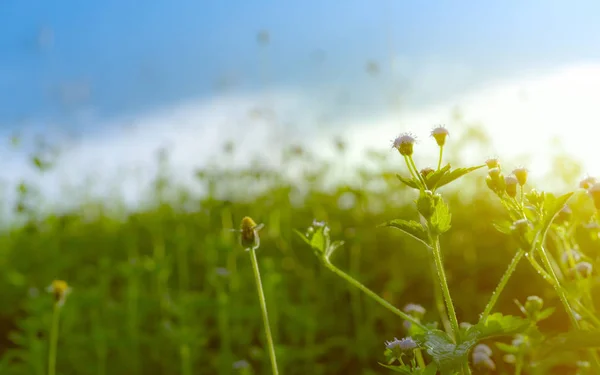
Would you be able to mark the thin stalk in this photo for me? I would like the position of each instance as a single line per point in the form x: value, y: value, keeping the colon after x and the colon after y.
x: 412, y: 162
x: 373, y: 295
x: 440, y: 158
x: 439, y: 299
x: 414, y: 172
x: 53, y: 339
x: 502, y: 284
x: 559, y: 290
x: 265, y: 316
x: 437, y: 256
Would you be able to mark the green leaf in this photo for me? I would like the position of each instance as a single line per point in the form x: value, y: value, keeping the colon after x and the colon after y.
x: 433, y: 178
x: 503, y: 226
x: 409, y: 227
x: 454, y: 175
x: 318, y: 240
x: 446, y: 355
x: 545, y: 314
x: 441, y: 218
x: 573, y: 340
x: 496, y: 325
x: 409, y: 182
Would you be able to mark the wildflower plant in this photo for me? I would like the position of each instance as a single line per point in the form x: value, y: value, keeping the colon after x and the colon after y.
x: 447, y: 351
x: 250, y: 240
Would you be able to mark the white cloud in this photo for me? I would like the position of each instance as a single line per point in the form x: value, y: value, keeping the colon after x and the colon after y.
x: 521, y: 116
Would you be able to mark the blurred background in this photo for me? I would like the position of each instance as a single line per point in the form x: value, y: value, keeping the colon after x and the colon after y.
x: 134, y: 135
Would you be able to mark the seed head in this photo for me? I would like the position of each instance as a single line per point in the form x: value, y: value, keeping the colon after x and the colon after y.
x: 60, y: 289
x: 521, y: 175
x: 440, y: 134
x: 493, y: 163
x: 404, y: 144
x: 416, y: 311
x: 587, y: 182
x: 511, y: 185
x: 405, y: 344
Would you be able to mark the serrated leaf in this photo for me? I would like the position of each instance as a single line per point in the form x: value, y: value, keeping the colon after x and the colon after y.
x: 449, y: 357
x: 441, y: 218
x: 497, y: 325
x: 573, y: 340
x: 455, y: 174
x: 433, y: 178
x: 410, y: 227
x: 408, y: 182
x: 446, y: 355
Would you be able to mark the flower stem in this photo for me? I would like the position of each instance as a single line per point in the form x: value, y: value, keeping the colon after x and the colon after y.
x: 53, y: 339
x: 437, y: 256
x: 439, y: 299
x: 265, y: 316
x: 502, y: 284
x: 412, y: 162
x: 440, y: 159
x: 373, y: 295
x: 559, y: 290
x: 414, y: 172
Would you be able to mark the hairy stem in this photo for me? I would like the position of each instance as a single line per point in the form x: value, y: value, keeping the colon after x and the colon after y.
x: 439, y: 298
x: 374, y: 296
x: 265, y: 316
x: 502, y: 284
x: 437, y: 256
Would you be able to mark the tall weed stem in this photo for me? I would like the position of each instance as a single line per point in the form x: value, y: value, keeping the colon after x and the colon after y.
x: 265, y: 315
x: 502, y: 284
x: 437, y: 256
x: 53, y: 339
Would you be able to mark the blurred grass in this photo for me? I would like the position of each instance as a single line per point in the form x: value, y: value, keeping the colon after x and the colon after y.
x: 169, y: 288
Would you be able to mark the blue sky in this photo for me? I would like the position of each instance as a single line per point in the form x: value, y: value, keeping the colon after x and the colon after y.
x: 122, y: 57
x: 187, y: 73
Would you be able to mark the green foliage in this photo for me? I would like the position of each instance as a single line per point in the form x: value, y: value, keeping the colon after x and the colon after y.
x: 410, y: 227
